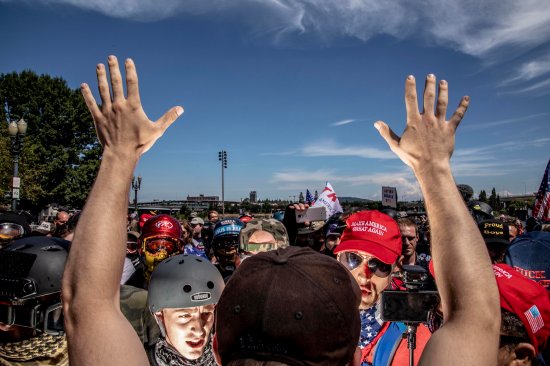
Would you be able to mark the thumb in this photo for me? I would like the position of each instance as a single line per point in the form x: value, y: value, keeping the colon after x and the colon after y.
x: 169, y: 117
x: 387, y: 134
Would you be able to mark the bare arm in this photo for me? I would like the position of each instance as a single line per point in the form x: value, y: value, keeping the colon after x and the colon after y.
x: 97, y: 332
x: 462, y: 266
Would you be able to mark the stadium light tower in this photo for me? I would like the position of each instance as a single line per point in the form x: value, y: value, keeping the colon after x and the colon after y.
x: 222, y: 157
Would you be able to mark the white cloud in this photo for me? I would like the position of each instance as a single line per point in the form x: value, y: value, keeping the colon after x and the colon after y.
x: 477, y: 28
x: 330, y: 148
x: 404, y: 180
x: 343, y: 122
x: 541, y: 88
x: 530, y: 70
x: 501, y: 122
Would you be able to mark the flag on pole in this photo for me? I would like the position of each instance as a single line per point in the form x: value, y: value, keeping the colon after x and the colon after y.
x: 329, y: 200
x: 542, y: 202
x: 309, y: 198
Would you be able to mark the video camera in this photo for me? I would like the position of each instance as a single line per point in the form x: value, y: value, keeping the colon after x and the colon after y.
x: 413, y: 305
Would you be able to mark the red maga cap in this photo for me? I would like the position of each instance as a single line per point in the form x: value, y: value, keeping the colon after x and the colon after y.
x: 372, y: 232
x: 528, y: 300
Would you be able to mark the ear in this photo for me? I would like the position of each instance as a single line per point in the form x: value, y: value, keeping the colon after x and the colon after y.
x: 159, y: 317
x: 215, y: 350
x: 522, y: 354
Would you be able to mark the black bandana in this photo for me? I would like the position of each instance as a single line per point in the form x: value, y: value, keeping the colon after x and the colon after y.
x: 165, y: 355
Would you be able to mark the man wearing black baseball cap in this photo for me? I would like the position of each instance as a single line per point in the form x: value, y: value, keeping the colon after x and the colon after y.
x: 497, y: 238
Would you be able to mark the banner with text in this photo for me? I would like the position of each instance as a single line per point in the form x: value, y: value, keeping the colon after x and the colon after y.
x: 389, y: 197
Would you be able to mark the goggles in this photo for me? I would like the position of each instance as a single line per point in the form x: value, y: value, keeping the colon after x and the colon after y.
x: 259, y: 247
x: 9, y: 230
x: 228, y: 242
x: 353, y: 260
x: 169, y: 245
x: 44, y: 318
x: 131, y: 246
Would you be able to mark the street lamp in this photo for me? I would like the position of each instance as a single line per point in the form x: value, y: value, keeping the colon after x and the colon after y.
x: 136, y: 185
x: 222, y: 157
x: 17, y: 132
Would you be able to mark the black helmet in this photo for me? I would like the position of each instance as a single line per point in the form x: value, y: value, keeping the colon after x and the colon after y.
x: 466, y: 191
x: 31, y: 270
x: 391, y: 213
x: 480, y: 211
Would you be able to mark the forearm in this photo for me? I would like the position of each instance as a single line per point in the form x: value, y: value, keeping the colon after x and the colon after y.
x: 95, y: 263
x: 457, y: 243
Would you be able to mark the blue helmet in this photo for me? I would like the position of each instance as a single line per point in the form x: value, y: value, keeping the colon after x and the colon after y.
x: 228, y: 227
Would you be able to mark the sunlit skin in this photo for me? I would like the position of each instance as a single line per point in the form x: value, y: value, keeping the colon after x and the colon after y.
x: 188, y: 329
x: 332, y: 241
x: 370, y: 284
x: 197, y: 228
x: 409, y: 238
x: 513, y: 232
x: 61, y: 218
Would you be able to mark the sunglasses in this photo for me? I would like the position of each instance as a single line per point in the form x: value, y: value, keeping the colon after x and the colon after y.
x: 353, y: 260
x: 226, y: 243
x: 157, y: 244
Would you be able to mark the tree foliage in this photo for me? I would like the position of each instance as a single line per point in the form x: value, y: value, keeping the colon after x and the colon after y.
x: 483, y: 196
x: 60, y: 154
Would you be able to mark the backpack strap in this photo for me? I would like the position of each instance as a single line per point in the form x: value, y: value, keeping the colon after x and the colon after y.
x: 388, y: 343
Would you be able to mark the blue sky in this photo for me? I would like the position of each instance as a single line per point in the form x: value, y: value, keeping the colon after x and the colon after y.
x: 291, y: 88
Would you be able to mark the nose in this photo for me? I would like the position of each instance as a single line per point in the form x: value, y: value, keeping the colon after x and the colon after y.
x: 196, y: 326
x: 364, y: 273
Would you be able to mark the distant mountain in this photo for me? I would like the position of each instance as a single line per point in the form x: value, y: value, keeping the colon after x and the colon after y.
x: 353, y: 199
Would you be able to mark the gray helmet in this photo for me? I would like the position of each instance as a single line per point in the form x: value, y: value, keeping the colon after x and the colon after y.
x: 184, y: 281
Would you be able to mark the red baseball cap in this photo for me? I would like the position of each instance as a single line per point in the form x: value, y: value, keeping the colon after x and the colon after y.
x: 528, y: 300
x: 372, y: 232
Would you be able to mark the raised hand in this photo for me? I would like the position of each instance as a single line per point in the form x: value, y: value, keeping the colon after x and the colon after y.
x: 121, y: 124
x: 428, y: 139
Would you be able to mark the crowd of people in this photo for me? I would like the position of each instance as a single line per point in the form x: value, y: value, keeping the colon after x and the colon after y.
x: 273, y: 291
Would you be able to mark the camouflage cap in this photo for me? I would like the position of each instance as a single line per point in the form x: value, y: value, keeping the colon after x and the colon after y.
x: 272, y: 226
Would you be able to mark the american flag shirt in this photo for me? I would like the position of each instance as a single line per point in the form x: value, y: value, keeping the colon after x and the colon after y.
x: 370, y: 325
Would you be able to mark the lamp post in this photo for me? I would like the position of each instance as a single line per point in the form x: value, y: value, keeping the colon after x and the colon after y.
x: 222, y: 157
x: 17, y: 132
x: 136, y: 185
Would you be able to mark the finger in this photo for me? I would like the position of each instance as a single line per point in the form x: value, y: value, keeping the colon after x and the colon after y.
x: 92, y: 107
x: 169, y: 117
x: 411, y: 100
x: 103, y: 86
x: 116, y: 79
x: 90, y: 101
x: 460, y: 111
x: 132, y: 87
x: 429, y: 95
x: 387, y: 134
x: 442, y: 101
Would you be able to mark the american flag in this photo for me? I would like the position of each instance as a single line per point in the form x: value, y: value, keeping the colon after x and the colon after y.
x: 542, y: 202
x: 309, y: 198
x: 534, y: 318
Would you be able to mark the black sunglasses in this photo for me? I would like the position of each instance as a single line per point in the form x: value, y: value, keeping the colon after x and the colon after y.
x: 353, y: 260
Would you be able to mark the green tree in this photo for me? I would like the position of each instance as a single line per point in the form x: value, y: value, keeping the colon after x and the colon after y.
x: 493, y: 199
x: 60, y: 155
x: 301, y: 197
x: 482, y: 196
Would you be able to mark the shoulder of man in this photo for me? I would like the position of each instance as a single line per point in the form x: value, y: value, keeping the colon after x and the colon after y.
x: 133, y: 304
